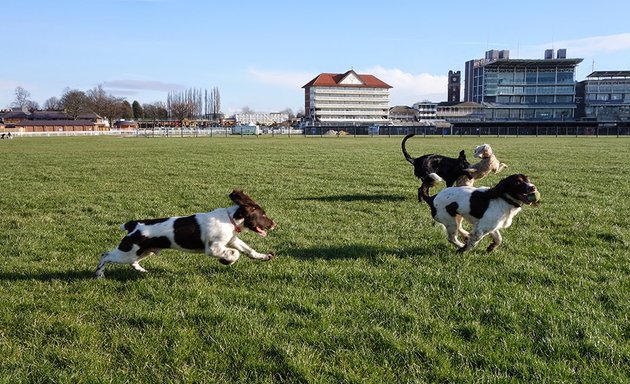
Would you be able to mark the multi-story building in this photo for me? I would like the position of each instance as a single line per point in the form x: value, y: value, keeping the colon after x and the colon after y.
x: 261, y: 118
x: 604, y: 95
x: 426, y: 110
x: 346, y: 98
x: 523, y: 89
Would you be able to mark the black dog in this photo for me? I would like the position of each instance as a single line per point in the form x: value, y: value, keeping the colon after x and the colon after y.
x: 432, y: 168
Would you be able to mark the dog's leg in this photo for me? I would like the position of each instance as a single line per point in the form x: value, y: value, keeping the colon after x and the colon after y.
x: 501, y: 167
x: 465, y: 234
x: 473, y: 240
x: 100, y: 268
x: 496, y: 241
x: 137, y: 267
x: 249, y: 251
x: 227, y: 256
x: 451, y: 232
x: 119, y: 257
x: 136, y: 263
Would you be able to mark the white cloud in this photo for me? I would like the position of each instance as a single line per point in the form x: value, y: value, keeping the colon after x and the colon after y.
x: 409, y: 88
x: 590, y: 46
x: 283, y: 79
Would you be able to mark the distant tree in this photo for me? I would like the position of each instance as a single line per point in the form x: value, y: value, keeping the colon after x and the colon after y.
x: 155, y: 111
x: 126, y: 112
x: 22, y: 98
x: 216, y: 103
x: 138, y: 112
x: 75, y: 102
x: 181, y: 110
x: 104, y: 104
x: 52, y: 104
x: 150, y: 111
x: 32, y: 105
x: 162, y: 112
x: 246, y: 110
x: 289, y: 112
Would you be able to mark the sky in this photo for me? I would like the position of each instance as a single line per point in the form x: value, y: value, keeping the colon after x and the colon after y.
x: 259, y: 54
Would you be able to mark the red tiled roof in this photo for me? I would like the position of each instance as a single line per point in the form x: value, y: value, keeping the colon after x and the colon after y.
x: 333, y: 80
x: 53, y: 122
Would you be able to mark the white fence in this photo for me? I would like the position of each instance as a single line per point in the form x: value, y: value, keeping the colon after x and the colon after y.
x: 159, y: 132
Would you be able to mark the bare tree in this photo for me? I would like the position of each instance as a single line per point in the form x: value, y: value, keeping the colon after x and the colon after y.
x: 104, y: 104
x: 52, y: 104
x: 22, y: 98
x: 193, y: 103
x: 150, y: 111
x: 155, y: 111
x: 181, y: 110
x: 216, y: 103
x: 75, y: 102
x: 289, y: 112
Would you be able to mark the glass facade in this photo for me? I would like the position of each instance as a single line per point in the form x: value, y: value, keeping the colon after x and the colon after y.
x: 607, y: 95
x: 523, y: 89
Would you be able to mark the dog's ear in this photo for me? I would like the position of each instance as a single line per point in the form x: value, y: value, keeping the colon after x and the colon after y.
x: 239, y: 197
x: 498, y: 189
x: 462, y: 154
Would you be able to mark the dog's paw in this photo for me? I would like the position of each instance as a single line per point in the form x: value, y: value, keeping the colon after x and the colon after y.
x: 491, y: 247
x: 232, y: 253
x: 226, y: 261
x: 270, y: 256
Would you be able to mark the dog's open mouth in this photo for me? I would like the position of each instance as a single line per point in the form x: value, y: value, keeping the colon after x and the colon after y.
x: 529, y: 198
x: 261, y: 231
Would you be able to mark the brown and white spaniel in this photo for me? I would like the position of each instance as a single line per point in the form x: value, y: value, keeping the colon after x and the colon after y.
x: 213, y: 233
x: 487, y: 209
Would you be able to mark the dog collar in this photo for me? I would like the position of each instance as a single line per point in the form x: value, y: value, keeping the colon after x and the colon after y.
x: 236, y: 227
x: 511, y: 200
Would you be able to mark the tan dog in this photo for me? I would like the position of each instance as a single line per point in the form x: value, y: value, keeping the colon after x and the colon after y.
x: 487, y: 164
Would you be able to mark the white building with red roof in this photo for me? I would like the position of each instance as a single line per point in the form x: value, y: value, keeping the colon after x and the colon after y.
x: 346, y: 98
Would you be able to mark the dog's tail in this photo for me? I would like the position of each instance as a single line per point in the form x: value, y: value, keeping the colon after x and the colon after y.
x: 404, y: 150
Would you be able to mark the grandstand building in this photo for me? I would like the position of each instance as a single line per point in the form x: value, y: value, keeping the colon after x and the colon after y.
x: 523, y: 89
x: 605, y: 95
x: 346, y: 99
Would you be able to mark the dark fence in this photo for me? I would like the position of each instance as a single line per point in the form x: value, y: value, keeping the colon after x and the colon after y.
x: 497, y: 130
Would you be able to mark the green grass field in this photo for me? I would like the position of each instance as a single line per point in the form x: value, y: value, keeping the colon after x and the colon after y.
x: 365, y: 289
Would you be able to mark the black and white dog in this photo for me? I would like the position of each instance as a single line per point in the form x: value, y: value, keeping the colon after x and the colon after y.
x: 432, y: 168
x: 487, y: 209
x: 213, y: 233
